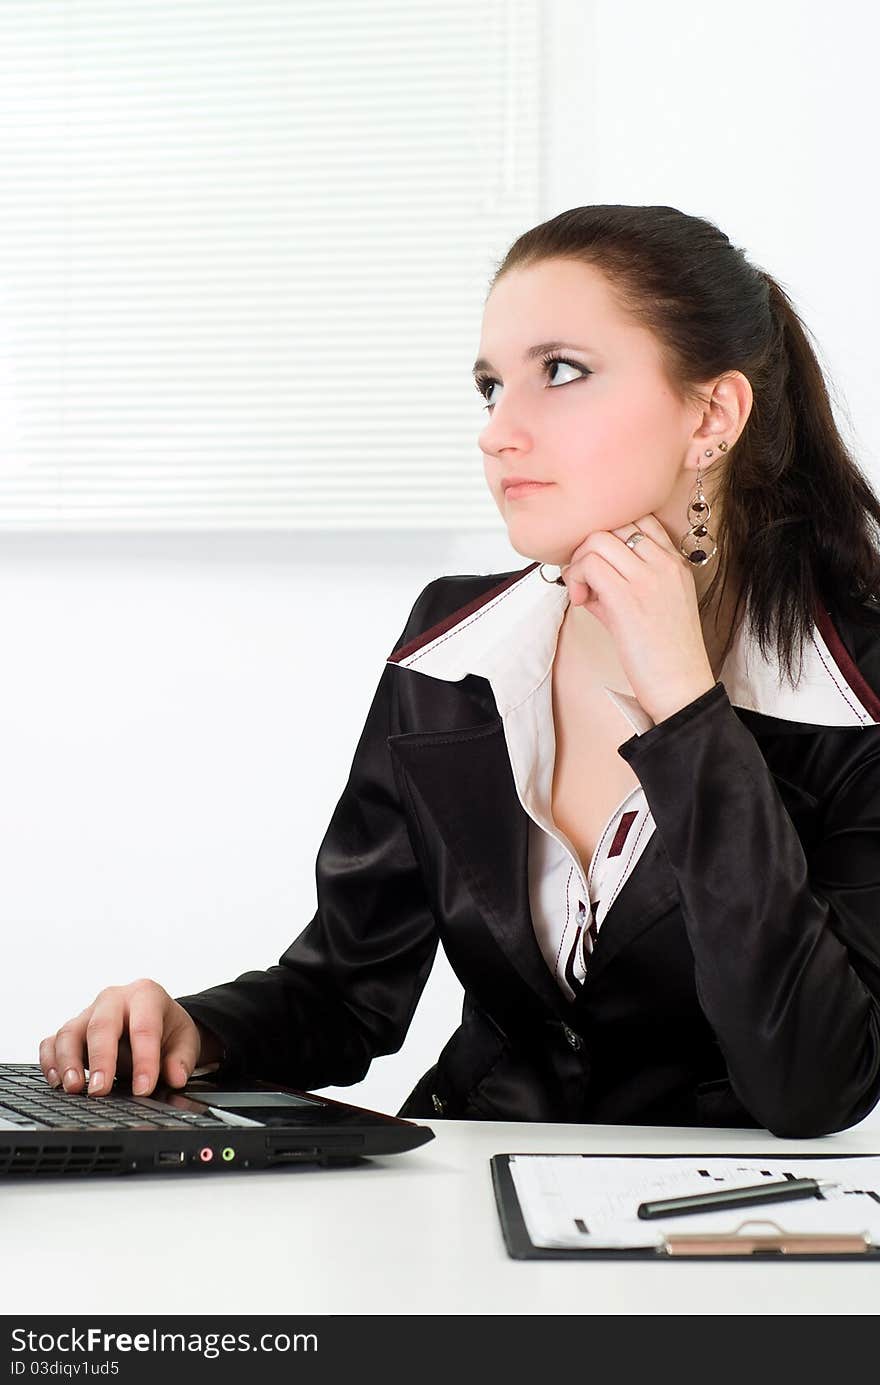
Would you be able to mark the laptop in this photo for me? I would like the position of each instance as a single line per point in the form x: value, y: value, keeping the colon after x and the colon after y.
x: 200, y: 1128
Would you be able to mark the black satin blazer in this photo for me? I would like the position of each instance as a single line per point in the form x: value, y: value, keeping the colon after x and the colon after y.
x: 736, y: 977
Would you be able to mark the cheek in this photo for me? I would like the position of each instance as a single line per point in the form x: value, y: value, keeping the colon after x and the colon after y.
x: 614, y: 479
x: 605, y: 489
x: 610, y: 468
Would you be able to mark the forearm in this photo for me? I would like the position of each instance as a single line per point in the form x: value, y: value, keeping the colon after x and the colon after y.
x: 797, y: 1024
x: 276, y: 1026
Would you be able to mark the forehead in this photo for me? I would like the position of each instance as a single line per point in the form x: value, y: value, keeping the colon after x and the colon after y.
x: 556, y: 281
x: 560, y: 300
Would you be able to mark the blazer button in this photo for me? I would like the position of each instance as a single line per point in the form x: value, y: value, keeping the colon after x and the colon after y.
x: 572, y: 1038
x: 438, y: 1103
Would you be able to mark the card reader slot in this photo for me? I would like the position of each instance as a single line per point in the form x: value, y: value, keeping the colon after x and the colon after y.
x: 294, y: 1143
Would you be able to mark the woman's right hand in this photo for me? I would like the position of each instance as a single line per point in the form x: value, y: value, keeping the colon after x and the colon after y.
x: 133, y: 1030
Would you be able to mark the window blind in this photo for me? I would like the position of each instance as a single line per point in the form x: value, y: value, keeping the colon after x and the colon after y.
x: 244, y: 251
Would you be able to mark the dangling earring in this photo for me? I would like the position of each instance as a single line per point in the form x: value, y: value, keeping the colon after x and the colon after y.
x: 699, y: 511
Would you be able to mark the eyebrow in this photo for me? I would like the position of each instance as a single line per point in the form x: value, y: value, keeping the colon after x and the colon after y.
x: 482, y: 364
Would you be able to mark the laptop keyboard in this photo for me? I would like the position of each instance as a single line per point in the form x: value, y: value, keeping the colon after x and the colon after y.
x: 26, y: 1098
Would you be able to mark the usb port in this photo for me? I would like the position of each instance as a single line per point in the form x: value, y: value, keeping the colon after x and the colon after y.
x: 171, y: 1156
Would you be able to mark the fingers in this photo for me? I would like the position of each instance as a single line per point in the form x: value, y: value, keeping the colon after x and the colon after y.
x: 146, y: 1022
x: 104, y: 1030
x: 652, y: 526
x: 182, y: 1045
x: 656, y: 531
x: 62, y: 1056
x: 121, y: 1031
x: 164, y: 1038
x: 48, y: 1061
x: 611, y: 545
x: 578, y: 591
x: 585, y: 576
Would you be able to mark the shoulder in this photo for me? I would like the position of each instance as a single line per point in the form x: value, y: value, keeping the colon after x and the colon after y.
x: 446, y: 600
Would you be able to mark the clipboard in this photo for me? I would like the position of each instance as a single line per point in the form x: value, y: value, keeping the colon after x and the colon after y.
x: 745, y: 1244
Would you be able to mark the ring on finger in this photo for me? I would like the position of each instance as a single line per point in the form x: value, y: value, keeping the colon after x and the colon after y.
x: 634, y: 538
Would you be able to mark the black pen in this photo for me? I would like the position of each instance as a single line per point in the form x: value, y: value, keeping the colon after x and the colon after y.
x: 734, y: 1197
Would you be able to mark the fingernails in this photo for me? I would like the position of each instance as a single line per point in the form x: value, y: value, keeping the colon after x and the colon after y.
x: 52, y: 1077
x: 96, y: 1081
x: 140, y: 1084
x: 70, y: 1078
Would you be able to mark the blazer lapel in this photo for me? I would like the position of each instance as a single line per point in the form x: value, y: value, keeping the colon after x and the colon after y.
x: 649, y: 891
x: 466, y: 783
x: 465, y: 780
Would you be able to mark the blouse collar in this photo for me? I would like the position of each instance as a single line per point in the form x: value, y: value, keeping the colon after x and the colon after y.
x: 508, y: 636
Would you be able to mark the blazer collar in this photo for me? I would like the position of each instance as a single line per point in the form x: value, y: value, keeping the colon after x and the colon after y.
x: 508, y: 636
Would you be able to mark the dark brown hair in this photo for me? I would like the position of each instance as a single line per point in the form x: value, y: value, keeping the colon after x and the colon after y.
x: 798, y: 514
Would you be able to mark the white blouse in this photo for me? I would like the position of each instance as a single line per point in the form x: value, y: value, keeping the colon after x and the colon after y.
x: 568, y: 906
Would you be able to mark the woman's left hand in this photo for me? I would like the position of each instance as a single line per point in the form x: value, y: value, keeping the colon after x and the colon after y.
x: 647, y: 600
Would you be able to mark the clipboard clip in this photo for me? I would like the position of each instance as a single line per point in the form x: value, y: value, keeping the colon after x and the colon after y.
x: 780, y: 1243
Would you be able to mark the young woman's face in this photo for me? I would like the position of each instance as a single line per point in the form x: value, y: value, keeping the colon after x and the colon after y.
x: 603, y: 430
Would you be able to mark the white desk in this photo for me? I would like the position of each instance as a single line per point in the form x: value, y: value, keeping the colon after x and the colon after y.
x: 415, y: 1233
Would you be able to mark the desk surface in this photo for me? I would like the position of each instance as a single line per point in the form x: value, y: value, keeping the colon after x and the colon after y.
x: 413, y: 1233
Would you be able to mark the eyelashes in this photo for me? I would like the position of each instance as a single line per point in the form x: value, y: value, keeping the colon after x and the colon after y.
x: 484, y: 383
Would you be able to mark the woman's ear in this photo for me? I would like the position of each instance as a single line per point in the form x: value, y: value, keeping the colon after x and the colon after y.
x: 726, y: 411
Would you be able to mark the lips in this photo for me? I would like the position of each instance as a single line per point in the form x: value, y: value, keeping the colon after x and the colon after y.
x: 521, y: 481
x: 520, y: 490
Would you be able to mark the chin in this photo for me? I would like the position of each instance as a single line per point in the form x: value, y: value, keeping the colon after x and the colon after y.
x: 554, y: 555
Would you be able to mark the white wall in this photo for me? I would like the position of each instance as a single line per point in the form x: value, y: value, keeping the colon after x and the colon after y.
x: 167, y: 771
x: 179, y: 717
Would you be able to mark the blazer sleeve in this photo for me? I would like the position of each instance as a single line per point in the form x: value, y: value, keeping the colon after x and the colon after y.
x: 346, y: 988
x: 786, y: 948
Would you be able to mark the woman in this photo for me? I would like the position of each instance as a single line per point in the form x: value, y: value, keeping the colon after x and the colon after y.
x: 650, y: 849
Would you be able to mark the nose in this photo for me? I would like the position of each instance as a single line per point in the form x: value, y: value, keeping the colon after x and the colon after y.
x: 503, y: 432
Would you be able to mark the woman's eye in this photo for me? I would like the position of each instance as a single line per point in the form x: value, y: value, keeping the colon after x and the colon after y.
x: 484, y: 385
x: 566, y: 365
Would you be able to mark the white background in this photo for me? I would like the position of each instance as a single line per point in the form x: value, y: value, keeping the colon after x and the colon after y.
x: 178, y: 713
